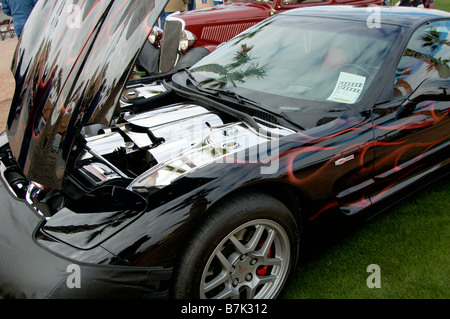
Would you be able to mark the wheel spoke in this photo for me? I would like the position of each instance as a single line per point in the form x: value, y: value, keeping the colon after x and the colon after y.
x: 264, y: 251
x: 222, y: 277
x: 272, y: 261
x: 238, y: 245
x: 250, y: 292
x: 227, y: 293
x: 253, y: 242
x: 266, y: 279
x: 226, y: 265
x: 217, y: 281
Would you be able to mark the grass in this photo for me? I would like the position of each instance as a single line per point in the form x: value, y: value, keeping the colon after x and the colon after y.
x: 442, y: 5
x: 409, y: 243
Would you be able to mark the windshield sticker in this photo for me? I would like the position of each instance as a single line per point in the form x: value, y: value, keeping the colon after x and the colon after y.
x: 348, y: 88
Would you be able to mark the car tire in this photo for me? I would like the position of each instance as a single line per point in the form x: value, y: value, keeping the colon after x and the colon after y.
x: 247, y: 249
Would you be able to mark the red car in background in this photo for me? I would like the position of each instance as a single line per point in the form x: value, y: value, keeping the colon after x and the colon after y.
x: 191, y: 35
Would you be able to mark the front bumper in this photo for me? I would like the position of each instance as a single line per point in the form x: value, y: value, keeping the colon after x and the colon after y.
x: 30, y: 267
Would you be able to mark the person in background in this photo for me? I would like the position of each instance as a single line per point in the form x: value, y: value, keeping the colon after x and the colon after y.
x: 410, y: 3
x: 428, y: 4
x: 416, y: 3
x: 171, y: 7
x: 19, y: 10
x: 192, y: 5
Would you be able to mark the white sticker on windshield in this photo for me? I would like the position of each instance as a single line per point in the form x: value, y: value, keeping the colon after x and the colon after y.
x: 348, y: 88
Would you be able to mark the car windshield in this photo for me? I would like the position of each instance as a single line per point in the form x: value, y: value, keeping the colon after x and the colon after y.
x: 289, y: 63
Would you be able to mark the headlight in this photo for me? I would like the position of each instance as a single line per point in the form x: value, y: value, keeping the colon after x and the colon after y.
x: 187, y: 40
x: 155, y: 36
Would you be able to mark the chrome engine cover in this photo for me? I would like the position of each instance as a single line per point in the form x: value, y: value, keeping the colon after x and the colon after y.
x: 192, y: 137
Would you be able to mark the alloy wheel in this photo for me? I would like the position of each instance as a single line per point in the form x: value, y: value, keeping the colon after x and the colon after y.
x: 251, y: 262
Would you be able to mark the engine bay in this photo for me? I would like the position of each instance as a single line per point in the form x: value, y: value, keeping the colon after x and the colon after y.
x: 148, y: 146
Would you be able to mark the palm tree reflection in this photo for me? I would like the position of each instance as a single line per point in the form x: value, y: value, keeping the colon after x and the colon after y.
x: 241, y: 68
x: 433, y: 43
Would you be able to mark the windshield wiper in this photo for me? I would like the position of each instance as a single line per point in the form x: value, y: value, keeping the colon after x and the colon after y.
x: 241, y: 99
x: 197, y: 84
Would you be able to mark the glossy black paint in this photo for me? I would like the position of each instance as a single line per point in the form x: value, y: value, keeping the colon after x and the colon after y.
x: 58, y: 90
x: 383, y: 153
x: 308, y: 174
x: 31, y: 269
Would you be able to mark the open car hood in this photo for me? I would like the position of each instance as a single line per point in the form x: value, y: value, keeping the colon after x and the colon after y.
x: 71, y: 64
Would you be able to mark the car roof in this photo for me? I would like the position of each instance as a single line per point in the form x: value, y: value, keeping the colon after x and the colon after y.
x: 404, y: 16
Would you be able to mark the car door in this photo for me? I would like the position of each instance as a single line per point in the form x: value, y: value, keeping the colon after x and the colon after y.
x: 412, y: 130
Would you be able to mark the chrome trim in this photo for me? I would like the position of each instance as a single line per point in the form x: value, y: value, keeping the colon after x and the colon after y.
x: 180, y: 125
x: 170, y: 43
x: 271, y: 127
x: 107, y: 163
x: 219, y: 146
x: 193, y: 137
x: 98, y: 173
x: 223, y: 33
x: 173, y: 17
x: 29, y: 189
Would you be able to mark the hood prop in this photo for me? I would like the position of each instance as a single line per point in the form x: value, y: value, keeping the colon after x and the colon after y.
x: 141, y: 129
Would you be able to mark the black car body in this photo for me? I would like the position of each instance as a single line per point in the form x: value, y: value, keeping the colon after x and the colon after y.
x: 206, y: 188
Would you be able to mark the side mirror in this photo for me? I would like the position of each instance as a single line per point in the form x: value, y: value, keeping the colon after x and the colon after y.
x: 432, y: 89
x: 108, y: 199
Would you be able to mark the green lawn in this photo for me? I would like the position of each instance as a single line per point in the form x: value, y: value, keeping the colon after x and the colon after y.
x: 410, y: 244
x: 442, y: 5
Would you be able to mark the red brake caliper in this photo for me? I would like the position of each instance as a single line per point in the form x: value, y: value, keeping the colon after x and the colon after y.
x: 263, y: 270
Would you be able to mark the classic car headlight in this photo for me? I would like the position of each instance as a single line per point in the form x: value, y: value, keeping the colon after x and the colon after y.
x: 187, y: 40
x: 155, y: 36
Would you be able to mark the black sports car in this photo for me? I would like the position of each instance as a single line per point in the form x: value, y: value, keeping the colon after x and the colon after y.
x: 202, y: 184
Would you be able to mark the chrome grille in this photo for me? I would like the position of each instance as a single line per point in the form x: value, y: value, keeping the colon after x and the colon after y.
x: 223, y: 33
x: 169, y: 45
